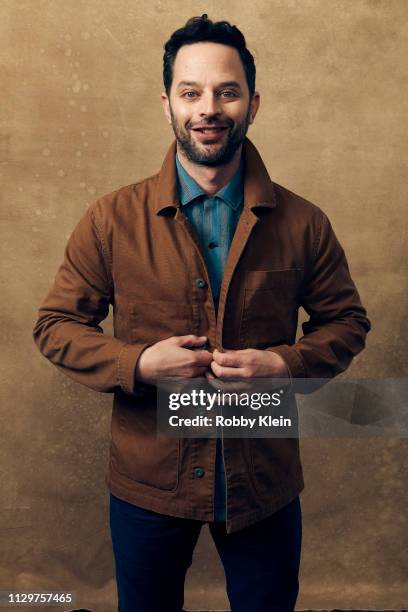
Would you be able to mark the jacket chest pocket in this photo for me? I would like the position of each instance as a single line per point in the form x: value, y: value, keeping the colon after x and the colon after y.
x: 155, y: 320
x: 270, y: 308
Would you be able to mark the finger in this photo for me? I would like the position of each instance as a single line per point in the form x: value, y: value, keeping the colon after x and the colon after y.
x: 202, y: 358
x: 190, y: 340
x: 230, y: 359
x: 227, y: 372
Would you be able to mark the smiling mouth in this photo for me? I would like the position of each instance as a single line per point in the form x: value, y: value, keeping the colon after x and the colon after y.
x: 210, y: 130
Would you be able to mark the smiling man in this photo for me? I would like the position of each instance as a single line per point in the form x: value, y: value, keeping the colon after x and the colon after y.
x: 211, y: 115
x: 208, y: 254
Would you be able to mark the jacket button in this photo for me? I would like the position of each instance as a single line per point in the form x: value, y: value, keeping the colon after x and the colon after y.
x: 200, y: 282
x: 199, y: 472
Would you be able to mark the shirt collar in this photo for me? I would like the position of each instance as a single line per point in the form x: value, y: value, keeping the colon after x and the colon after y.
x: 259, y: 189
x: 232, y: 193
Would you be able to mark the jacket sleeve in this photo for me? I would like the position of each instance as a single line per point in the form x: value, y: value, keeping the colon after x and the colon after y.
x: 337, y: 325
x: 67, y: 331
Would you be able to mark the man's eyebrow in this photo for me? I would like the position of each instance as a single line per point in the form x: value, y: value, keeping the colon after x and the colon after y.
x: 195, y: 84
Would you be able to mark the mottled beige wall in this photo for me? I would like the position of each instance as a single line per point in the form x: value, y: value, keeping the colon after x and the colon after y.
x: 81, y: 116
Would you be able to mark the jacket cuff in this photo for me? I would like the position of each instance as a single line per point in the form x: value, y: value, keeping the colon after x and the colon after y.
x: 292, y: 359
x: 127, y: 362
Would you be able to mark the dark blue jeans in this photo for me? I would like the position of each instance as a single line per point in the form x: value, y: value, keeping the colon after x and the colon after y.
x: 154, y: 551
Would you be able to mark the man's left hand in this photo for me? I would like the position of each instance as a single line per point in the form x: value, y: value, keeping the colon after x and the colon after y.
x: 248, y: 363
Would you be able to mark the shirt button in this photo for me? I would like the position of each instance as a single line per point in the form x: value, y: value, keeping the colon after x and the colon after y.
x: 199, y: 472
x: 212, y: 245
x: 200, y: 282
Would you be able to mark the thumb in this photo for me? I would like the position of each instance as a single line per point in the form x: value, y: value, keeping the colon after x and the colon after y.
x: 191, y: 340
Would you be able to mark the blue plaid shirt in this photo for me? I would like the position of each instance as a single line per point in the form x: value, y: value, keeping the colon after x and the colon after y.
x: 214, y: 219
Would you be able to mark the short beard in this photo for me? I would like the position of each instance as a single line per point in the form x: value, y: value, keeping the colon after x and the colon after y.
x: 222, y: 156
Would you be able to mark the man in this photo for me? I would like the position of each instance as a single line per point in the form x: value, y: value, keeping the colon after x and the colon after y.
x: 208, y: 254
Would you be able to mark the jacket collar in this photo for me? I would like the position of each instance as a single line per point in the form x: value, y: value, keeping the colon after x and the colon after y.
x: 258, y: 187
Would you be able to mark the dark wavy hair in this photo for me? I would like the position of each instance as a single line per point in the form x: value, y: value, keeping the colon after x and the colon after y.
x: 202, y: 29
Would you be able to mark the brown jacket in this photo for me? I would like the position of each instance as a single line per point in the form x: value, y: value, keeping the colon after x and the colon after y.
x: 135, y: 249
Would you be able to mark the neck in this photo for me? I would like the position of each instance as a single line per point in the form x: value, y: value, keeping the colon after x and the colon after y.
x: 211, y: 179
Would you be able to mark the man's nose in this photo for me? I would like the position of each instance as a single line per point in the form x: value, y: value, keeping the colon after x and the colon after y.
x: 209, y: 105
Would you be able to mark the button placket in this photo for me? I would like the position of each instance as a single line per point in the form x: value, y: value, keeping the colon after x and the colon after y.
x: 208, y: 207
x: 182, y: 220
x: 243, y: 230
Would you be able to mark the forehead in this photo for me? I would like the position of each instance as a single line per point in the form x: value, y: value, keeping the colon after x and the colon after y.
x: 208, y: 61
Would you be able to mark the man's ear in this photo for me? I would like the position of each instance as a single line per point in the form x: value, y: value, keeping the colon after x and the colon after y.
x: 166, y: 106
x: 254, y: 105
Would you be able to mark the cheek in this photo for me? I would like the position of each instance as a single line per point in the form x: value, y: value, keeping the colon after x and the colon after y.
x: 181, y: 113
x: 238, y: 115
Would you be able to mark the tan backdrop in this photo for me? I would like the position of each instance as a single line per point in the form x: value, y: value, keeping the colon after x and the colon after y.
x: 81, y: 116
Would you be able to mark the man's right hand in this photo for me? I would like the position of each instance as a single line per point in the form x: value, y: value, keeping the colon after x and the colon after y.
x: 174, y: 357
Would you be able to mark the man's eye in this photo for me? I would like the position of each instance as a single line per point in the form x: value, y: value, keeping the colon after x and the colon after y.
x: 193, y: 94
